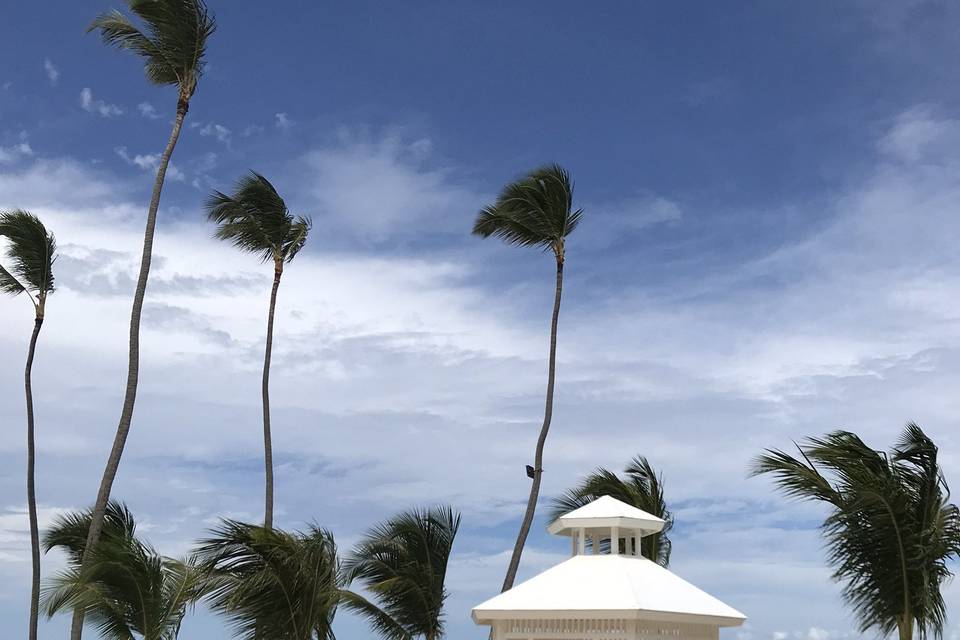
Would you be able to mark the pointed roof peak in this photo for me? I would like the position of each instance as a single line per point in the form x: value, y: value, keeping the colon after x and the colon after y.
x: 606, y: 512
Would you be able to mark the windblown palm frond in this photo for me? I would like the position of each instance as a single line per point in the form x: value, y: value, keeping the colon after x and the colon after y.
x: 535, y: 211
x: 173, y: 40
x: 68, y: 532
x: 403, y: 564
x: 642, y: 488
x: 127, y: 589
x: 273, y: 584
x: 890, y: 530
x: 256, y: 219
x: 31, y: 252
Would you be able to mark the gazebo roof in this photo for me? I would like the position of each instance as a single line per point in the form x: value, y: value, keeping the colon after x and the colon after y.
x: 606, y: 512
x: 608, y: 587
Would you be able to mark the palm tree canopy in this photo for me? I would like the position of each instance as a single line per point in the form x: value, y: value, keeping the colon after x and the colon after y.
x: 173, y: 41
x: 273, y: 584
x: 403, y: 564
x: 642, y: 488
x: 535, y: 211
x: 890, y: 531
x: 256, y: 219
x: 68, y: 532
x: 127, y: 588
x: 31, y: 252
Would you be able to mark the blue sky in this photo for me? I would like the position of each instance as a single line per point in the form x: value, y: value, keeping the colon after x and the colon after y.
x: 768, y: 252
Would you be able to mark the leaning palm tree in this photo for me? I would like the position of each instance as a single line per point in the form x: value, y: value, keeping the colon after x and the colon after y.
x: 642, y: 488
x: 173, y: 44
x: 256, y: 219
x: 535, y: 211
x: 31, y: 251
x: 127, y: 590
x: 68, y: 532
x: 272, y: 584
x: 890, y: 530
x: 403, y: 564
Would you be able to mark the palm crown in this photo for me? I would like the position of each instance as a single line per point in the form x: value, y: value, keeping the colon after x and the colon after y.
x: 173, y: 41
x: 256, y: 219
x: 890, y: 531
x: 126, y: 588
x: 31, y: 253
x: 403, y: 563
x: 535, y: 211
x: 642, y: 488
x: 273, y: 584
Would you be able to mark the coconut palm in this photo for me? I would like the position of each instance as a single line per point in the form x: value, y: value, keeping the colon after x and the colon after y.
x: 68, y: 532
x: 535, y: 211
x: 272, y: 584
x: 890, y: 530
x: 31, y: 251
x: 127, y: 590
x: 642, y: 488
x: 403, y: 564
x: 256, y: 219
x: 172, y: 43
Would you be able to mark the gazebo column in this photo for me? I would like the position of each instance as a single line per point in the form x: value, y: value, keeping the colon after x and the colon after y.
x: 614, y: 541
x: 581, y: 541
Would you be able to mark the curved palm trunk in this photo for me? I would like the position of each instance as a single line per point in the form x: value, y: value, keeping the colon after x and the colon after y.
x: 133, y: 365
x: 538, y: 458
x: 265, y: 392
x: 905, y: 627
x: 31, y: 484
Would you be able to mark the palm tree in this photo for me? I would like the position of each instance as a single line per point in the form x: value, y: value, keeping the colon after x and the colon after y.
x: 403, y: 564
x: 270, y: 583
x: 535, y: 211
x: 173, y: 44
x: 256, y: 219
x: 642, y: 488
x: 126, y: 589
x: 890, y: 531
x: 68, y: 532
x: 31, y: 251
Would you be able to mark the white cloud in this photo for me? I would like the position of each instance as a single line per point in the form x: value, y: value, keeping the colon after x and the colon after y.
x: 340, y: 180
x: 283, y: 121
x: 150, y: 162
x: 147, y: 110
x: 53, y: 74
x: 218, y: 131
x: 11, y: 154
x: 92, y: 105
x: 251, y: 130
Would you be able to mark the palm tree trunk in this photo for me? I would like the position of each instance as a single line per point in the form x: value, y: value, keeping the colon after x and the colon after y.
x: 905, y: 628
x: 31, y: 484
x: 265, y: 392
x: 133, y: 365
x: 538, y: 458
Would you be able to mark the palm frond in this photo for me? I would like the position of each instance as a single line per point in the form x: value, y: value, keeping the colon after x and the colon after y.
x: 534, y: 211
x: 172, y: 41
x: 256, y: 219
x: 642, y: 488
x: 31, y: 252
x: 270, y: 583
x: 403, y: 563
x: 890, y: 531
x: 68, y: 532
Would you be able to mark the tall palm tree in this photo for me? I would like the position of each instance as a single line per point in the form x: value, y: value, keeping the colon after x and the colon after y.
x: 270, y: 583
x: 126, y: 589
x: 68, y: 532
x: 642, y: 488
x: 172, y: 43
x: 535, y: 211
x: 31, y: 251
x: 403, y: 564
x: 890, y: 531
x: 256, y: 219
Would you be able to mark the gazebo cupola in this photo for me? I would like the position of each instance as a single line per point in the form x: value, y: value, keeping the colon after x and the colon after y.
x: 592, y: 527
x: 607, y: 590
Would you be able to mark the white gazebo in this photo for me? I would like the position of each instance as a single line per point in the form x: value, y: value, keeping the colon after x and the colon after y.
x: 606, y: 591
